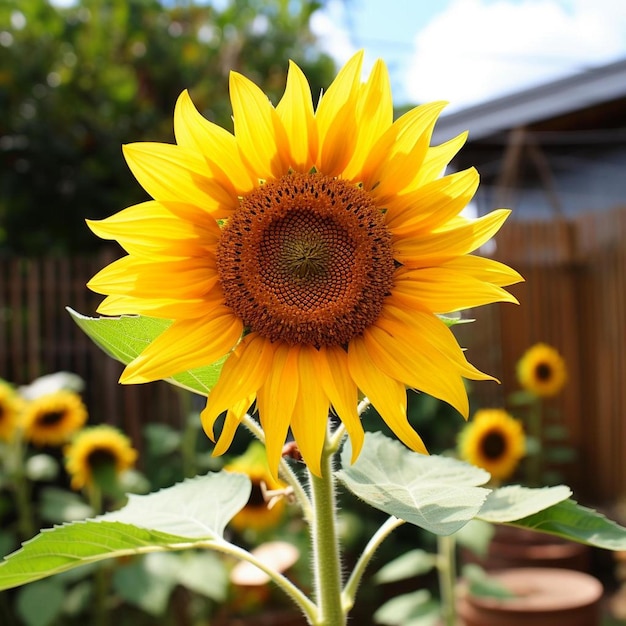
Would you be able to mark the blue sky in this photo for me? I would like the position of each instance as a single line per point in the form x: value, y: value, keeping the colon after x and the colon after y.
x: 467, y: 51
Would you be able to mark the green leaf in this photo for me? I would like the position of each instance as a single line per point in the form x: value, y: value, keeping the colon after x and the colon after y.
x: 476, y: 536
x: 513, y: 502
x: 180, y: 517
x: 409, y: 609
x: 125, y: 337
x: 437, y: 493
x: 481, y: 584
x: 407, y: 565
x: 40, y: 604
x: 59, y: 505
x: 570, y: 520
x: 147, y: 583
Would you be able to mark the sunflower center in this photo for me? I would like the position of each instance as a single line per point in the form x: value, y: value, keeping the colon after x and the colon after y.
x: 493, y: 445
x: 51, y: 418
x: 100, y: 458
x: 306, y: 259
x: 543, y: 372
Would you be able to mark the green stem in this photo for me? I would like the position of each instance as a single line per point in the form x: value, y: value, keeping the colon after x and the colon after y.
x: 307, y: 607
x: 101, y: 578
x: 446, y: 568
x: 350, y: 589
x: 535, y: 461
x: 25, y: 521
x: 325, y: 545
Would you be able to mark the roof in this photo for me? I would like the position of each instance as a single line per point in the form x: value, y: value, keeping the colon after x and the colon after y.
x: 573, y: 93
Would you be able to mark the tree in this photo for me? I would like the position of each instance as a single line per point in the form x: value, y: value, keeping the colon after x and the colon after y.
x: 77, y: 82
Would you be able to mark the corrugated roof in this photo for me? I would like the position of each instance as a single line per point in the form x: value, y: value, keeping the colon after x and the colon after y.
x: 573, y: 93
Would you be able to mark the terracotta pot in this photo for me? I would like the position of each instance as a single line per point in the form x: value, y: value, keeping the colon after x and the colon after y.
x: 519, y: 547
x: 544, y: 597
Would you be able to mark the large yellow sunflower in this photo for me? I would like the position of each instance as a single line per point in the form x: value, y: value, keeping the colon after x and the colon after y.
x: 95, y: 447
x: 261, y: 512
x: 51, y: 419
x: 314, y: 248
x: 542, y: 371
x: 493, y: 440
x: 10, y: 407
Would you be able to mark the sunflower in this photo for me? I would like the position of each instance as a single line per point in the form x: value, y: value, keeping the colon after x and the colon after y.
x: 493, y: 440
x: 542, y: 371
x: 262, y: 511
x: 314, y: 249
x: 10, y: 407
x: 96, y: 447
x: 51, y: 419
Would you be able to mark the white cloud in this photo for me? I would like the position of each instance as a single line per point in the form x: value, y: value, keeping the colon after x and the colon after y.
x: 329, y: 27
x: 477, y: 49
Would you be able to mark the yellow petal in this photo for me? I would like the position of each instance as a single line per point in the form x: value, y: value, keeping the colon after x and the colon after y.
x: 310, y: 417
x: 416, y: 249
x: 149, y: 228
x: 170, y: 172
x: 295, y: 109
x: 385, y: 393
x: 231, y: 422
x: 418, y: 366
x: 276, y: 401
x: 243, y: 373
x: 400, y: 152
x: 185, y: 345
x: 437, y: 159
x: 186, y: 278
x: 259, y: 130
x: 374, y: 117
x: 216, y: 144
x: 432, y: 205
x: 336, y: 118
x: 342, y: 393
x: 443, y: 290
x: 167, y: 308
x: 486, y: 270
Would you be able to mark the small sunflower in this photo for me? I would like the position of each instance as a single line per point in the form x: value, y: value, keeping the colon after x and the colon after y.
x: 51, y: 419
x: 10, y: 408
x: 313, y: 248
x: 95, y: 447
x: 261, y: 512
x: 542, y: 371
x: 493, y: 440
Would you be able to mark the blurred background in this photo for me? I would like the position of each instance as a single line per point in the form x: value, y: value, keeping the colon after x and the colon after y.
x: 539, y: 84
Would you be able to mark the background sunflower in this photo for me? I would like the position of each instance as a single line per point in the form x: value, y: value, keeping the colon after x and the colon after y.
x: 95, y: 449
x: 542, y: 370
x: 51, y: 419
x: 10, y: 407
x: 259, y: 514
x: 493, y: 440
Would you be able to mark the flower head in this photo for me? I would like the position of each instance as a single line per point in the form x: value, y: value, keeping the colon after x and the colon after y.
x: 261, y: 512
x: 51, y: 419
x: 493, y: 440
x: 94, y: 448
x: 542, y: 371
x: 313, y: 248
x: 10, y: 407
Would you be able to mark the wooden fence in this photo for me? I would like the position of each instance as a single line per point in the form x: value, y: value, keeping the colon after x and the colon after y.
x: 574, y: 298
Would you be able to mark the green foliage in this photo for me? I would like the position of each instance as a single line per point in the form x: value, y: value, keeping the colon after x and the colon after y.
x: 410, y: 609
x: 181, y: 517
x: 77, y: 82
x: 407, y: 565
x: 124, y: 338
x: 436, y: 493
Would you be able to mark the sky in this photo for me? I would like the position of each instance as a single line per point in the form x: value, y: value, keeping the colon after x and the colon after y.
x: 469, y: 51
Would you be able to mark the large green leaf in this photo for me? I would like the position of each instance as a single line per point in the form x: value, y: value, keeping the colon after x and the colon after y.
x: 125, y: 337
x: 572, y: 521
x: 514, y: 502
x: 184, y: 516
x: 437, y: 493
